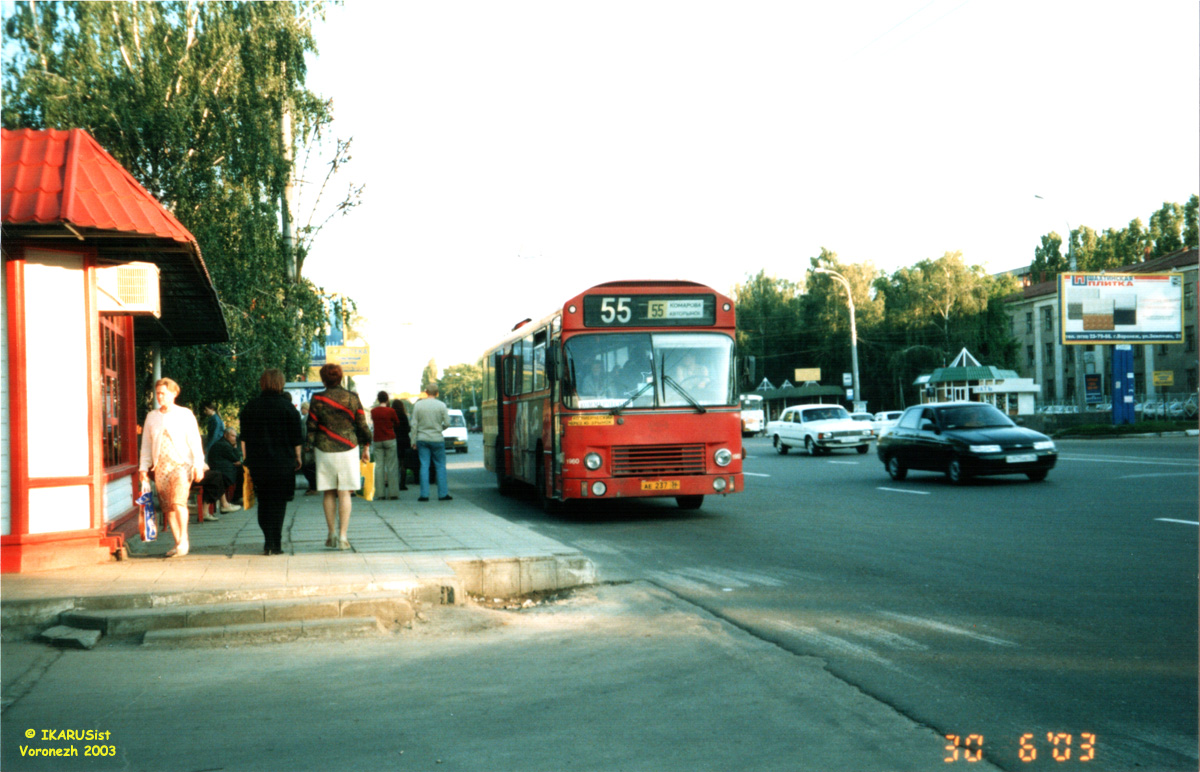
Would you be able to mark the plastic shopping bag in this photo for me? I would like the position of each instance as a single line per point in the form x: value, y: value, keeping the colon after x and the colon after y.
x: 146, y: 524
x: 247, y: 489
x: 367, y: 470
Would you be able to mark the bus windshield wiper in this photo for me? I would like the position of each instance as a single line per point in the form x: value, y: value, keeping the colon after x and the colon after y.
x: 617, y: 410
x: 671, y: 382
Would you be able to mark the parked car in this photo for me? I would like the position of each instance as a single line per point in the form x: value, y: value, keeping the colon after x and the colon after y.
x: 964, y: 439
x: 819, y: 429
x: 885, y: 420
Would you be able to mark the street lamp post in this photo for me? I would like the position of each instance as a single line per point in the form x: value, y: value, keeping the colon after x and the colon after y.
x: 853, y: 331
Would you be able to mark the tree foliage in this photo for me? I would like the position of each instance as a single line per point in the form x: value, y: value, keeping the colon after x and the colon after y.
x: 190, y: 98
x: 1172, y: 227
x: 908, y: 323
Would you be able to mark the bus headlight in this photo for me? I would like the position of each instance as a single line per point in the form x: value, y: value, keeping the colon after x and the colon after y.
x: 723, y: 457
x: 592, y: 461
x: 719, y: 484
x: 599, y: 488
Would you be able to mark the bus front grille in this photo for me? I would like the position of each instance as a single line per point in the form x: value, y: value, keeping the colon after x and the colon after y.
x: 643, y: 460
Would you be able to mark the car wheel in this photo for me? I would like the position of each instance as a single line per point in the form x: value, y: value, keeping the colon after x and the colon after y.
x: 1037, y: 476
x: 689, y: 502
x: 780, y: 448
x: 955, y: 472
x: 895, y: 469
x: 862, y: 449
x: 811, y: 447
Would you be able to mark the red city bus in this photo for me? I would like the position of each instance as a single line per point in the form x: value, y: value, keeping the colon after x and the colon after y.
x: 627, y: 390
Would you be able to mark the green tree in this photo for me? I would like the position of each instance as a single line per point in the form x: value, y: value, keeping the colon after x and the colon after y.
x: 1191, y: 222
x: 768, y: 329
x: 462, y: 386
x: 190, y: 98
x: 1048, y: 259
x: 1166, y: 229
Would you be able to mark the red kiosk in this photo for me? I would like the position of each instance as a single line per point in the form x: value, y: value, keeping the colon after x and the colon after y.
x: 92, y: 262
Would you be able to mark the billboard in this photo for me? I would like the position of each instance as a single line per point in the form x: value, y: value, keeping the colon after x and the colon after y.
x: 1121, y: 307
x: 355, y: 360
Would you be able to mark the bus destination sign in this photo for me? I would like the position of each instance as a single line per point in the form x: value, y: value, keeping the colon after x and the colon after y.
x: 649, y: 310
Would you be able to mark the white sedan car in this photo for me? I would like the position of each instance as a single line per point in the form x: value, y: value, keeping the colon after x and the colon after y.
x: 819, y: 429
x: 885, y: 420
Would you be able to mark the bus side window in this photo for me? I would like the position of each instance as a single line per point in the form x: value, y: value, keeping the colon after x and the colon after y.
x: 527, y: 365
x: 512, y: 371
x: 539, y: 360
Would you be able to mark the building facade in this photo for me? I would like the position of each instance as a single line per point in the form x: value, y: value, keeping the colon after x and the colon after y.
x: 1034, y: 316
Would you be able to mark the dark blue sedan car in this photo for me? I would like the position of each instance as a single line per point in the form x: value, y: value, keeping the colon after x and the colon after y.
x: 964, y: 439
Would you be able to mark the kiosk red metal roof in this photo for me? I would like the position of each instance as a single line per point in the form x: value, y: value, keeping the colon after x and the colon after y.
x: 54, y: 176
x: 61, y: 184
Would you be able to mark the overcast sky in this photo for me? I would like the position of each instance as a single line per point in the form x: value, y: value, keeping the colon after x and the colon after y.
x: 516, y: 153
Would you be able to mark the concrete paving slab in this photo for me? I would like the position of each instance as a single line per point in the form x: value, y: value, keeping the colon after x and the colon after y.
x: 393, y: 547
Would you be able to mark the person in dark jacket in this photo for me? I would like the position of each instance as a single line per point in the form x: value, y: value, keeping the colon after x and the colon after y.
x: 402, y: 444
x: 224, y: 469
x: 271, y: 442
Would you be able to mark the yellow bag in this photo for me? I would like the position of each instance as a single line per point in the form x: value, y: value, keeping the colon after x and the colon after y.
x: 367, y: 469
x: 247, y: 489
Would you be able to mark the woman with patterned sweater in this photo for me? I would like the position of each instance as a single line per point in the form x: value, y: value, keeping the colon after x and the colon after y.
x: 337, y: 427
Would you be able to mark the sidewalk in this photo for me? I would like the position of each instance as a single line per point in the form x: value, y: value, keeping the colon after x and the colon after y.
x: 434, y: 551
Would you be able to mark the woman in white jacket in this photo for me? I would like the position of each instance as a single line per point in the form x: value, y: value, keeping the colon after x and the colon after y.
x: 171, y: 447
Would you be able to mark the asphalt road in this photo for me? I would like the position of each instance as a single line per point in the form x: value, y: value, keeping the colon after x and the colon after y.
x: 1018, y: 616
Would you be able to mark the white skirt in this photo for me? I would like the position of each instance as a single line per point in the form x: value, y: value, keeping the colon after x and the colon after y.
x: 338, y: 471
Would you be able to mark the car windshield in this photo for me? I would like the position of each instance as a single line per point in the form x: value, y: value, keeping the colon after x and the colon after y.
x: 825, y: 414
x: 632, y: 370
x: 972, y: 417
x: 457, y: 420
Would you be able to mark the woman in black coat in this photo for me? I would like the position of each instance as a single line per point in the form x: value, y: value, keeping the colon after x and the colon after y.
x: 402, y: 442
x: 271, y: 441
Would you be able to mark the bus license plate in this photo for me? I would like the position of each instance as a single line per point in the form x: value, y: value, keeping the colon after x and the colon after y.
x: 660, y: 485
x: 1022, y: 458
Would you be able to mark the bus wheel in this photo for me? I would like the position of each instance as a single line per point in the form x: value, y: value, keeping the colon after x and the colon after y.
x: 689, y: 502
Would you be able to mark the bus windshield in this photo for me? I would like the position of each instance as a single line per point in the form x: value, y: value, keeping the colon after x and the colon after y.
x: 632, y: 370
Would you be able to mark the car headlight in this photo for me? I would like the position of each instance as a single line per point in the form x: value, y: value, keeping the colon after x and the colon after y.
x: 723, y: 457
x: 592, y: 461
x: 1044, y: 445
x: 985, y: 448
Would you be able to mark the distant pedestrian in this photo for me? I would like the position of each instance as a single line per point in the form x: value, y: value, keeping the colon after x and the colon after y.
x: 337, y: 427
x: 402, y: 442
x: 172, y: 450
x: 383, y: 448
x: 429, y: 419
x: 271, y: 442
x: 214, y: 427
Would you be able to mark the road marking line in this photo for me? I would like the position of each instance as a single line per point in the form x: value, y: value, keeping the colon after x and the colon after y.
x: 851, y: 463
x: 755, y: 474
x: 1127, y: 460
x: 1157, y: 474
x: 942, y: 627
x: 1169, y: 520
x: 902, y: 490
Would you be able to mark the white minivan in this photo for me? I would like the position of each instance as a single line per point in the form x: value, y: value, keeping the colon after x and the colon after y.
x: 455, y: 434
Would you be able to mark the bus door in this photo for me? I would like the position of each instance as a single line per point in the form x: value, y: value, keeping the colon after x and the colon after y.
x: 553, y: 367
x: 504, y: 409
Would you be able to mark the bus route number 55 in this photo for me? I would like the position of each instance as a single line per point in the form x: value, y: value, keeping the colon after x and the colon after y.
x: 621, y: 312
